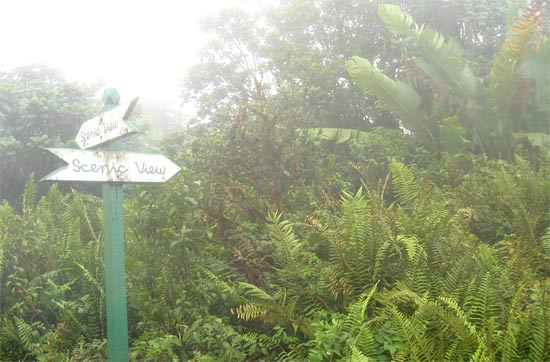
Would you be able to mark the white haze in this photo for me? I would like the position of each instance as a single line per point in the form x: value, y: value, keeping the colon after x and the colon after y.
x: 143, y: 48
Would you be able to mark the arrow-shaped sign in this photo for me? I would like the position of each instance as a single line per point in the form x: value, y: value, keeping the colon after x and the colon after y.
x: 116, y: 167
x: 107, y: 126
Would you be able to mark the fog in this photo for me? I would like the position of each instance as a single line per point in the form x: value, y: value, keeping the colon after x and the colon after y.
x: 143, y: 48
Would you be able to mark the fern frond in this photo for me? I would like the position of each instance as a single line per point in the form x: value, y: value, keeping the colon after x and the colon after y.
x: 357, y: 310
x: 355, y: 218
x: 71, y: 235
x: 91, y: 279
x: 253, y: 291
x: 357, y: 356
x: 481, y: 355
x: 407, y: 190
x: 40, y: 279
x: 1, y: 256
x: 83, y: 212
x: 221, y: 285
x: 480, y: 303
x: 287, y: 248
x: 545, y: 242
x: 362, y: 338
x: 539, y: 341
x: 250, y: 311
x: 416, y: 276
x: 510, y: 344
x: 24, y: 332
x: 460, y: 317
x: 411, y: 245
x: 455, y: 277
x: 290, y: 356
x: 29, y: 195
x: 381, y: 253
x: 421, y: 346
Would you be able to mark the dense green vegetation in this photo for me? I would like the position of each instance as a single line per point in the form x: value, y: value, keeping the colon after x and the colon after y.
x: 279, y: 242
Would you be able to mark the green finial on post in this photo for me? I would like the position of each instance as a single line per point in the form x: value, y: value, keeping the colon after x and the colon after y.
x: 110, y: 96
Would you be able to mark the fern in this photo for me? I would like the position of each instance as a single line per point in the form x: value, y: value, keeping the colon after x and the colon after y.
x: 287, y: 249
x: 539, y: 339
x: 358, y: 356
x: 461, y: 323
x: 290, y: 356
x: 510, y: 344
x: 411, y: 245
x: 545, y: 242
x: 480, y: 354
x: 71, y: 236
x: 29, y: 195
x: 279, y: 308
x: 480, y: 304
x: 11, y: 348
x: 40, y: 279
x: 25, y: 333
x: 362, y: 249
x: 250, y: 311
x: 357, y: 326
x: 416, y: 276
x: 456, y: 276
x: 355, y: 218
x: 1, y: 256
x: 407, y: 190
x: 414, y: 330
x: 91, y: 279
x: 83, y: 212
x: 381, y: 255
x: 221, y: 286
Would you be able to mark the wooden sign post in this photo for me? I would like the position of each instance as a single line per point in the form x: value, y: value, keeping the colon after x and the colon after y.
x: 113, y: 169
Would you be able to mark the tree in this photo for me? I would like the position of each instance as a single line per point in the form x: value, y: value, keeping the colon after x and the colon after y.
x: 38, y: 108
x: 293, y: 55
x: 294, y: 52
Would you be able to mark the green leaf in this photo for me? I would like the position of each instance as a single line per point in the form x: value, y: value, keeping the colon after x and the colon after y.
x: 536, y: 139
x: 397, y: 96
x: 395, y: 20
x: 537, y: 68
x: 411, y: 244
x: 339, y: 135
x: 452, y: 135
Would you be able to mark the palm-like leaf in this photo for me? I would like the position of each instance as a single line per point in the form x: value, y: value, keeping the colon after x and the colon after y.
x: 338, y: 135
x: 397, y: 96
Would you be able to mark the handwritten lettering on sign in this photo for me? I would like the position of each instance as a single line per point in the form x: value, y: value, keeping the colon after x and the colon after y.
x: 109, y: 168
x: 107, y: 126
x: 118, y: 167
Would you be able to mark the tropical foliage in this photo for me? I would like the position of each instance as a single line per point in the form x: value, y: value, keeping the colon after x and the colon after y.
x: 447, y: 106
x: 38, y: 108
x: 275, y: 243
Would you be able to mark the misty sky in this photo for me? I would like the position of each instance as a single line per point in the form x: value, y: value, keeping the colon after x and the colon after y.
x: 139, y: 47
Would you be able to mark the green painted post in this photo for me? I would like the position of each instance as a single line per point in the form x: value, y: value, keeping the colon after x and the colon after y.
x: 115, y: 273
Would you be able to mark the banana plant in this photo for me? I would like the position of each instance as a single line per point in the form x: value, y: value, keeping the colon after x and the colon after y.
x: 447, y: 106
